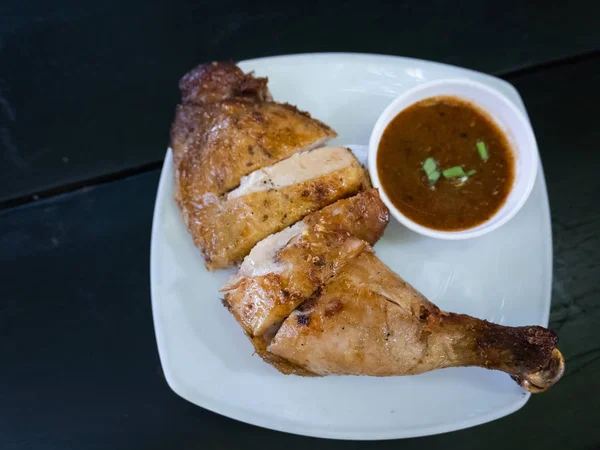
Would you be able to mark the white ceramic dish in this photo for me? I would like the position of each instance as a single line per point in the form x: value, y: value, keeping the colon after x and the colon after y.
x: 511, y: 120
x: 504, y: 277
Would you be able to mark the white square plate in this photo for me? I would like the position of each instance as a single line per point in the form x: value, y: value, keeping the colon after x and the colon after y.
x: 504, y: 277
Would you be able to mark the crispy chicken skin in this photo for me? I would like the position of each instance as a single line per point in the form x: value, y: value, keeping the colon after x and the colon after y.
x: 218, y: 81
x: 285, y: 269
x: 368, y: 321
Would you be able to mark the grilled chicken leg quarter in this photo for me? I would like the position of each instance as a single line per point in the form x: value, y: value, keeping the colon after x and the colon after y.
x: 368, y: 321
x: 315, y: 300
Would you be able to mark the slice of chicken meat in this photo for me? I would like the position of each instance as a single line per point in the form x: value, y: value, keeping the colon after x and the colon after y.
x: 369, y: 321
x: 228, y: 126
x: 287, y: 268
x: 226, y: 228
x: 215, y: 145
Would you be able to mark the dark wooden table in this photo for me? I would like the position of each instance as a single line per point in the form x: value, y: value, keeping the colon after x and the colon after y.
x: 86, y: 98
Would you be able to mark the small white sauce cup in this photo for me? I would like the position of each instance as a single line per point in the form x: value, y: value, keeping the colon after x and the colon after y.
x: 509, y: 119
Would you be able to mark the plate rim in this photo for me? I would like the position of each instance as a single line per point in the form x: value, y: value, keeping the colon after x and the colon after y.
x: 254, y: 418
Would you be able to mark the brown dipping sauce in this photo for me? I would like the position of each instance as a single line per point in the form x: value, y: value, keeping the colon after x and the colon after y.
x: 448, y: 130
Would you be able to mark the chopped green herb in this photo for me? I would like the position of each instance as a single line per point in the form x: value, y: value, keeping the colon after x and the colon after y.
x: 454, y: 172
x: 429, y: 166
x: 471, y: 172
x: 482, y: 149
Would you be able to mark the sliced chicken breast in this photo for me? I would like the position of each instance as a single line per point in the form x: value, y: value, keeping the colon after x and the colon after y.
x: 215, y: 145
x: 228, y: 126
x: 226, y: 228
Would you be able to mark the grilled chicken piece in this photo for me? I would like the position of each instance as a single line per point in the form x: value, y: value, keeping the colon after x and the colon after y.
x: 267, y: 201
x: 286, y: 268
x: 215, y: 145
x: 227, y: 127
x: 368, y: 321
